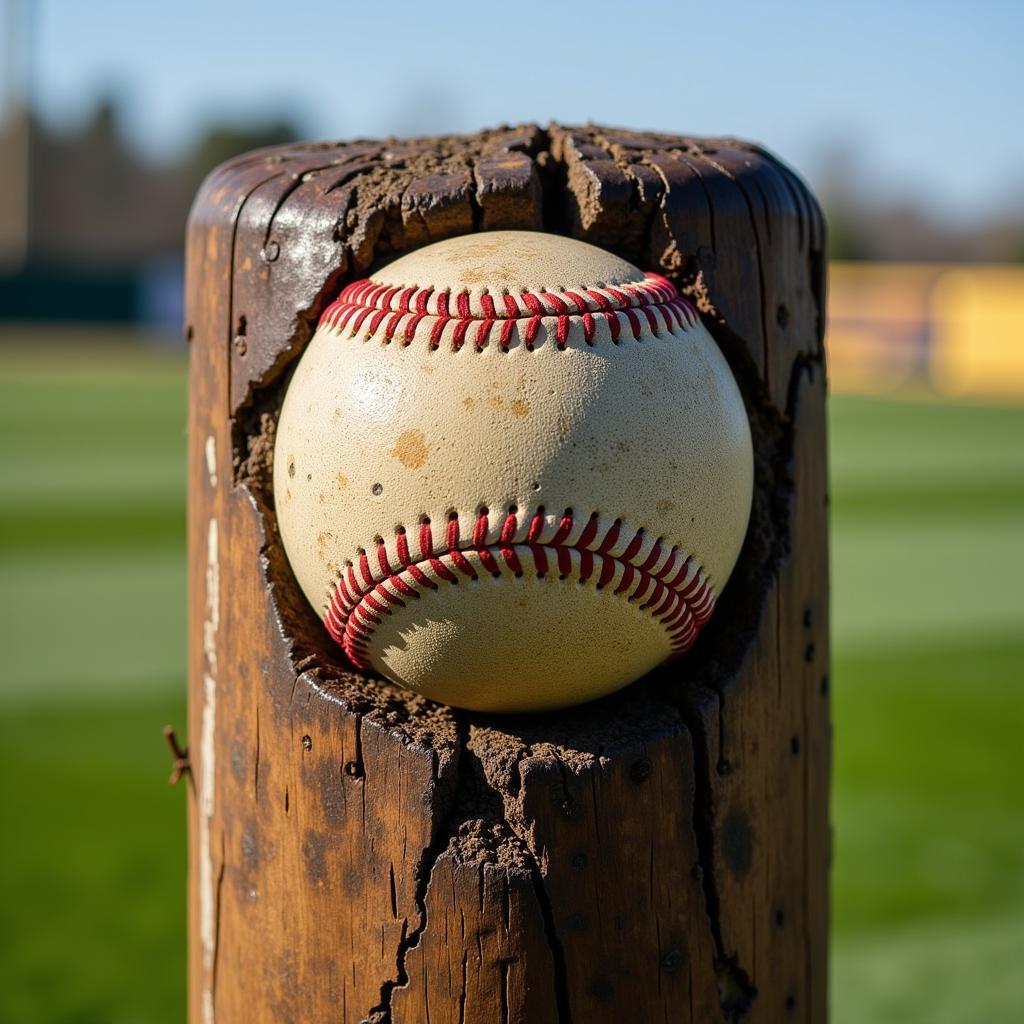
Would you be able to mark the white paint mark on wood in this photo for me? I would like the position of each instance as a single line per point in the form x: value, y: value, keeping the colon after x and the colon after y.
x: 211, y: 459
x: 212, y: 622
x: 207, y: 1007
x: 208, y: 776
x: 207, y: 910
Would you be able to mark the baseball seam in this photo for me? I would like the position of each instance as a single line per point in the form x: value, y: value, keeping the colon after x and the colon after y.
x: 623, y: 308
x: 660, y: 580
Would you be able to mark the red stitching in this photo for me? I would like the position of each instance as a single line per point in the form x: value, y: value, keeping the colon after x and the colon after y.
x: 672, y: 588
x: 367, y: 303
x: 532, y: 303
x: 581, y: 306
x: 562, y: 331
x: 507, y: 327
x: 561, y: 306
x: 588, y: 327
x: 613, y: 324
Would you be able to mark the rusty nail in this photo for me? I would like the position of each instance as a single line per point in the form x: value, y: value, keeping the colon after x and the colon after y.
x: 181, y: 765
x: 672, y: 961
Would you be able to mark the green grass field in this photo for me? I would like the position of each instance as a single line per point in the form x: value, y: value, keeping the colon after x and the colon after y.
x: 928, y: 555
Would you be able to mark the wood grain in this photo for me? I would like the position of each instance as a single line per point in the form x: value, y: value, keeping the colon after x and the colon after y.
x: 359, y: 854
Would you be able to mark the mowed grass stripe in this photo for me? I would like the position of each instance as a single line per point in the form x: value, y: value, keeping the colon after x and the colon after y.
x: 85, y: 622
x: 939, y: 500
x: 901, y: 585
x: 939, y: 972
x: 880, y: 443
x: 93, y: 447
x: 74, y: 477
x: 130, y: 523
x: 927, y: 795
x: 94, y: 863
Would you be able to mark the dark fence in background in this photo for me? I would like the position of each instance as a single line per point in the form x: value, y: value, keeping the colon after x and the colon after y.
x: 149, y: 296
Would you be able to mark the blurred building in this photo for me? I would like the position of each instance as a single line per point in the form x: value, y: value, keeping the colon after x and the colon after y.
x: 83, y: 223
x: 14, y: 192
x: 92, y: 231
x: 955, y: 329
x: 15, y: 138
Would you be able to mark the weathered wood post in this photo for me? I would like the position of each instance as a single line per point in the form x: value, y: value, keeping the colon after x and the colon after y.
x: 359, y: 854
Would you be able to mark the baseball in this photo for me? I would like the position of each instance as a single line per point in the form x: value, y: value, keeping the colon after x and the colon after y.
x: 512, y: 472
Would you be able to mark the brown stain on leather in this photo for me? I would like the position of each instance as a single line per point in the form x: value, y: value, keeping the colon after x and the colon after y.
x: 520, y: 408
x: 411, y: 449
x: 342, y: 481
x: 479, y: 270
x: 485, y: 275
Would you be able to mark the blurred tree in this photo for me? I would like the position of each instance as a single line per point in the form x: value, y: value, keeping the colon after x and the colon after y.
x: 96, y: 203
x: 863, y: 226
x: 97, y: 219
x: 95, y: 206
x: 845, y: 237
x: 223, y: 140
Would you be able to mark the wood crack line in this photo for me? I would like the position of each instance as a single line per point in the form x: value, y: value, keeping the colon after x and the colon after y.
x: 424, y: 872
x: 560, y: 971
x: 735, y: 989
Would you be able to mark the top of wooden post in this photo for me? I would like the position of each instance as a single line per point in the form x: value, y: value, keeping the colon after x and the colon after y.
x: 703, y: 211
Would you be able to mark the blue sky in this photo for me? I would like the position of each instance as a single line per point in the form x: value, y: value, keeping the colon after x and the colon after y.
x: 911, y: 99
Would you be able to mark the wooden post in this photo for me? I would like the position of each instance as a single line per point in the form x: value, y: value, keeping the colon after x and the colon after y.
x: 359, y: 854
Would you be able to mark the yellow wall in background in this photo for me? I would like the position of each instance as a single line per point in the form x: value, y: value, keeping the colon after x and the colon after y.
x: 958, y: 329
x: 979, y: 332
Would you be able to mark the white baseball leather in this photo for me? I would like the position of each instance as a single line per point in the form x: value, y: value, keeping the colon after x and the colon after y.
x: 512, y: 472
